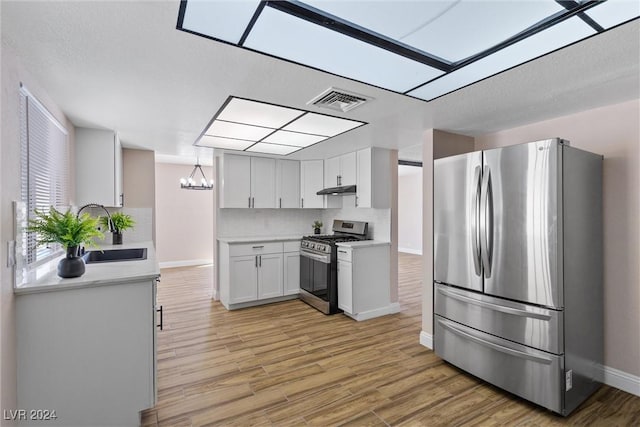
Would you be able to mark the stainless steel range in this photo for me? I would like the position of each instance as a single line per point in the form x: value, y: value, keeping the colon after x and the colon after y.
x: 319, y: 264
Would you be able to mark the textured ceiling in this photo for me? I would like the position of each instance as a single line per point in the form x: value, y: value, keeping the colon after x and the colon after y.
x: 124, y: 66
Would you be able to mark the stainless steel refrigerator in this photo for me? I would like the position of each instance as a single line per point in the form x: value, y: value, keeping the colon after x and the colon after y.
x: 518, y: 269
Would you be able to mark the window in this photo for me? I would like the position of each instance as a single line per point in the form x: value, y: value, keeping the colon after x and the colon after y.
x: 44, y: 171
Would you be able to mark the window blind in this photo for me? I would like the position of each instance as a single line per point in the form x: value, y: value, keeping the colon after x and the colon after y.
x: 44, y: 168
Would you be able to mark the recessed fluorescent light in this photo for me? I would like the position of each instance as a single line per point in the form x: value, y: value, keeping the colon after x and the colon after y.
x: 319, y: 124
x: 224, y: 20
x: 237, y: 131
x: 282, y: 150
x: 240, y: 123
x: 257, y: 113
x: 293, y: 138
x: 226, y: 143
x: 613, y: 12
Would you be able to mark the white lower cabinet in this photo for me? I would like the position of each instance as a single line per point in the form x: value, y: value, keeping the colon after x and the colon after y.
x: 364, y: 282
x: 258, y: 272
x: 89, y: 354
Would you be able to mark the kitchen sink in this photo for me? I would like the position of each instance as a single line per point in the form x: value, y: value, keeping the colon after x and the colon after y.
x: 115, y: 255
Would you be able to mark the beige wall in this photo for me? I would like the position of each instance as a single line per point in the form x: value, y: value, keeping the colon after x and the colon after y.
x: 12, y: 75
x: 614, y: 132
x: 410, y: 210
x: 139, y: 181
x: 184, y: 218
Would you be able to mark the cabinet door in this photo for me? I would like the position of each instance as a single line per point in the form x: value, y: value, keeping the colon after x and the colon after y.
x: 236, y: 184
x: 263, y: 182
x: 348, y: 169
x: 345, y: 287
x: 288, y: 183
x: 331, y: 172
x: 312, y: 173
x: 291, y: 273
x: 244, y: 279
x: 363, y: 182
x: 118, y: 196
x: 269, y: 276
x: 98, y: 176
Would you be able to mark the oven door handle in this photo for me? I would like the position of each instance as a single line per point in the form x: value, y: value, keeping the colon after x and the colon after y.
x: 322, y: 258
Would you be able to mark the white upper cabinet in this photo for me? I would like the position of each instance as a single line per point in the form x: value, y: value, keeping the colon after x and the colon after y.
x: 98, y: 167
x: 263, y: 182
x: 288, y: 184
x: 311, y: 181
x: 248, y: 182
x: 340, y: 170
x: 373, y: 184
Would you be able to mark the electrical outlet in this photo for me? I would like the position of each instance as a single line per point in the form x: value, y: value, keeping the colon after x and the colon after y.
x: 11, y: 253
x: 568, y: 380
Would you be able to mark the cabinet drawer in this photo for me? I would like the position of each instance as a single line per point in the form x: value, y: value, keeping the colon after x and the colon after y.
x: 344, y: 254
x: 525, y: 324
x: 257, y: 248
x: 292, y: 246
x: 534, y: 375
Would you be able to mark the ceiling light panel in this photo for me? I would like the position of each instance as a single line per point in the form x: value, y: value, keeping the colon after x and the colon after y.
x: 223, y: 20
x: 237, y: 131
x: 226, y: 143
x: 546, y: 41
x: 319, y: 124
x: 282, y: 150
x: 614, y: 12
x: 257, y: 113
x: 288, y: 37
x: 293, y: 138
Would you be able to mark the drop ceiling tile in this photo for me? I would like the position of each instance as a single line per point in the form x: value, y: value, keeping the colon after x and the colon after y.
x: 226, y: 143
x: 319, y: 124
x: 282, y: 150
x: 293, y: 138
x: 614, y: 12
x: 237, y: 131
x: 285, y: 36
x: 257, y: 113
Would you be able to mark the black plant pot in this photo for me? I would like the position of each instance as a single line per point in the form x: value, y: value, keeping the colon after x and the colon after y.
x: 117, y: 238
x: 316, y: 231
x: 71, y: 265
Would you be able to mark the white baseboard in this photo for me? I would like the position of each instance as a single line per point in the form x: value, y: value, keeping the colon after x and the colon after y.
x: 410, y: 251
x: 612, y: 377
x: 366, y: 315
x: 426, y: 340
x: 622, y: 380
x: 185, y: 263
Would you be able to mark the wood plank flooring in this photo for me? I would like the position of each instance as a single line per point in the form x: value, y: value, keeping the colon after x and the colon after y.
x: 287, y: 364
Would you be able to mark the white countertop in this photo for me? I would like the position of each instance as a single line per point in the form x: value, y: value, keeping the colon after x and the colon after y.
x: 363, y: 244
x: 98, y: 274
x: 259, y: 239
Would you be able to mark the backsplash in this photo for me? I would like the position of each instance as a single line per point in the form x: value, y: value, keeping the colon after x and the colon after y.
x: 268, y: 222
x: 142, y: 231
x: 379, y: 220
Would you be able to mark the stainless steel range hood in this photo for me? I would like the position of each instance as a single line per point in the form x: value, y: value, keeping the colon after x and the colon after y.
x: 345, y: 190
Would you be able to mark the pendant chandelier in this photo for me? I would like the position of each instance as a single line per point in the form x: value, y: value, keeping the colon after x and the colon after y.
x: 190, y: 183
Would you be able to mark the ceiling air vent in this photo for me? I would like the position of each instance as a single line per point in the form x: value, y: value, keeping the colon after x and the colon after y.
x: 339, y: 100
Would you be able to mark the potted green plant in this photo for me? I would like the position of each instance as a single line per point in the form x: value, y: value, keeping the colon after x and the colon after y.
x: 120, y: 222
x: 69, y: 230
x: 317, y: 225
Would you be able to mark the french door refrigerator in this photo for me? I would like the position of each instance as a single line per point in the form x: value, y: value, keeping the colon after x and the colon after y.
x: 518, y: 269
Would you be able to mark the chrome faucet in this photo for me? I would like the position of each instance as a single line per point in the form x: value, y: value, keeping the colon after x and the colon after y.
x: 95, y: 205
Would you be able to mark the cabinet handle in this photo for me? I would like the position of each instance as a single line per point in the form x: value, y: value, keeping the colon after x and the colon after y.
x: 258, y: 247
x: 302, y: 202
x: 253, y: 202
x: 343, y: 252
x: 356, y: 201
x: 256, y: 260
x: 281, y: 202
x: 249, y: 202
x: 161, y: 325
x: 121, y: 199
x: 259, y: 260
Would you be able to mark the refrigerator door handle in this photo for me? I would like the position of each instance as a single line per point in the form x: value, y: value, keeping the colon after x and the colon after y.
x: 486, y: 222
x: 475, y: 231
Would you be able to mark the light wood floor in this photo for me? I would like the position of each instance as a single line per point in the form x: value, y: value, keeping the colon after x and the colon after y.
x: 288, y: 364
